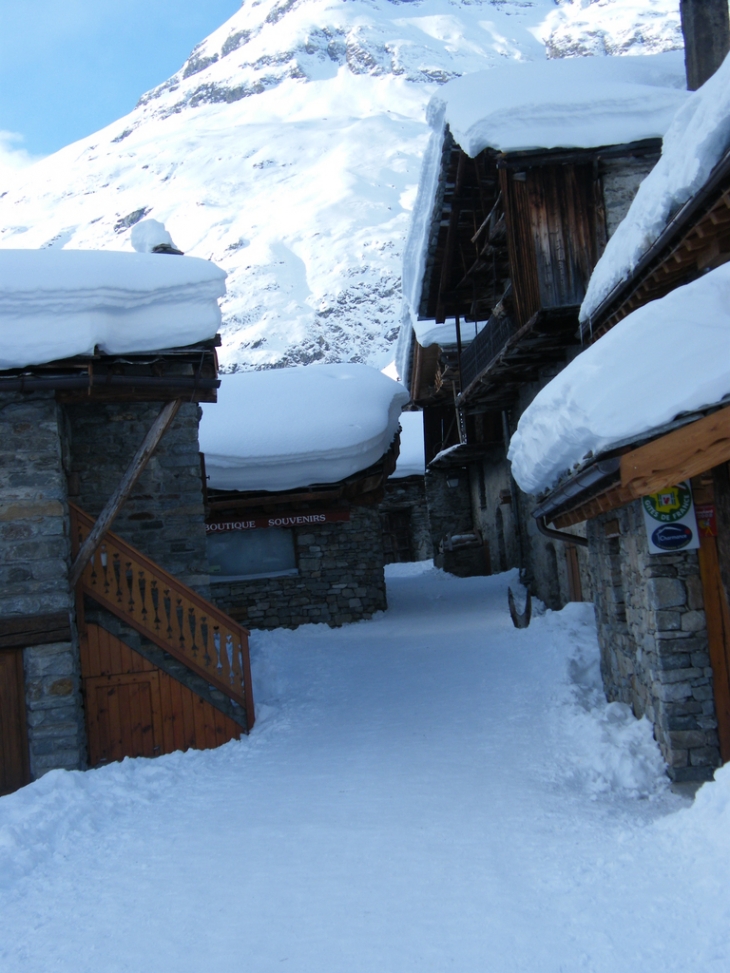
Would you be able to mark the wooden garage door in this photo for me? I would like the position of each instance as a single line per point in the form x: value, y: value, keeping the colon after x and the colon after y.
x: 14, y: 767
x: 134, y: 709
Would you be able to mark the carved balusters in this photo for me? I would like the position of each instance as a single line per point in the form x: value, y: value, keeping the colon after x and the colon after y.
x: 192, y: 624
x: 155, y: 592
x: 105, y: 567
x: 204, y: 636
x: 229, y: 653
x: 118, y: 576
x: 167, y: 602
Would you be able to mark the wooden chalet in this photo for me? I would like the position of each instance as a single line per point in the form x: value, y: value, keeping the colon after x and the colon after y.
x: 110, y: 645
x: 513, y: 237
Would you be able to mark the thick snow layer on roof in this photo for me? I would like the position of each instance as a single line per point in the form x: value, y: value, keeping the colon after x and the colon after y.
x: 412, y: 458
x: 668, y: 357
x: 59, y: 303
x: 576, y: 102
x: 694, y: 143
x: 291, y: 427
x: 581, y: 102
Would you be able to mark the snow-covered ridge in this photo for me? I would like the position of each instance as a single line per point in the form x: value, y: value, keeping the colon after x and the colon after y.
x: 694, y: 143
x: 285, y: 428
x: 629, y: 382
x: 288, y: 149
x: 59, y: 303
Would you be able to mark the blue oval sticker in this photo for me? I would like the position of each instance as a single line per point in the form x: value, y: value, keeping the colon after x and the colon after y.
x: 672, y: 537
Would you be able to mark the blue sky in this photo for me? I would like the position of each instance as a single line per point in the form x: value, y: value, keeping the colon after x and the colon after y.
x: 69, y: 67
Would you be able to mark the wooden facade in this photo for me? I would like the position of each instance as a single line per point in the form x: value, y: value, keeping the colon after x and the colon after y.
x: 134, y: 709
x: 14, y: 763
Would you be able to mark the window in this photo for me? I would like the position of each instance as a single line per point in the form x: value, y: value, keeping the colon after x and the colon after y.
x: 266, y: 553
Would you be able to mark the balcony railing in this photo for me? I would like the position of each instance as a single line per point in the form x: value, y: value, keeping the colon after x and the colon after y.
x: 486, y: 346
x: 172, y: 616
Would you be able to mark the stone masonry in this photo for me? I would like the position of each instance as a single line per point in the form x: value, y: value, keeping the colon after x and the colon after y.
x: 341, y: 579
x: 34, y: 561
x: 653, y: 640
x: 164, y: 517
x: 409, y: 493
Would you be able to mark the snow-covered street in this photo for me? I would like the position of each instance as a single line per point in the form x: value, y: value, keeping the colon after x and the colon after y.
x: 429, y: 791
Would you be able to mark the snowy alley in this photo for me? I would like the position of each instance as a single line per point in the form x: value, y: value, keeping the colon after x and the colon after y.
x: 429, y: 791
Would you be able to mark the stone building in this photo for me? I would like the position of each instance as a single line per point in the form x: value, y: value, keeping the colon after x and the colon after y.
x: 82, y: 388
x: 404, y: 508
x: 296, y: 462
x: 512, y: 216
x: 630, y: 443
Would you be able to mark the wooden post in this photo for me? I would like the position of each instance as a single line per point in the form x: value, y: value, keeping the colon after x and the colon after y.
x: 115, y: 501
x: 706, y: 29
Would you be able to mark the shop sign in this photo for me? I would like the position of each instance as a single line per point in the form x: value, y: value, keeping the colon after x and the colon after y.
x: 706, y: 520
x: 280, y: 520
x: 669, y: 517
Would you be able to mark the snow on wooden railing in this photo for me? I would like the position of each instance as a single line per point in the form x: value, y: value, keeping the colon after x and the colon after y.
x: 164, y: 610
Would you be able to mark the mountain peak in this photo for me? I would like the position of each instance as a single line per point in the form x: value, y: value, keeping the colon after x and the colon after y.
x: 287, y: 148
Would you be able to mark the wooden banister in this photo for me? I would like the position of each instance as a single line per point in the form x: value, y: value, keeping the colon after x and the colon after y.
x: 164, y: 610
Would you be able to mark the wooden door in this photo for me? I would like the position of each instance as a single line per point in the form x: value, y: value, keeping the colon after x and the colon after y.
x: 575, y: 587
x: 134, y: 709
x: 123, y: 716
x: 14, y: 763
x: 717, y: 612
x: 397, y: 535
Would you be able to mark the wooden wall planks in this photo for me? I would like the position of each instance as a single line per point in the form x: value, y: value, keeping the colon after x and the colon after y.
x: 133, y: 709
x: 14, y: 762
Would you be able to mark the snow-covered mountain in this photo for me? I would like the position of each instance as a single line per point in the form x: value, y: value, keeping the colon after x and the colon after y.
x: 287, y: 149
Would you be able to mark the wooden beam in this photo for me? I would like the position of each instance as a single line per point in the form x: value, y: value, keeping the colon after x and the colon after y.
x: 605, y: 502
x: 115, y: 501
x: 681, y: 454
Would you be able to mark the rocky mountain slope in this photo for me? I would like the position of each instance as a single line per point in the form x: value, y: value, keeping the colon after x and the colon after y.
x: 287, y: 149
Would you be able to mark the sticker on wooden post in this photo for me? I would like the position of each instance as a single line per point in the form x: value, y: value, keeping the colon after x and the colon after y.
x: 670, y: 521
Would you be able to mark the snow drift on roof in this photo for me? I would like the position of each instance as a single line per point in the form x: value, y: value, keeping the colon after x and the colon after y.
x: 668, y: 357
x: 292, y: 427
x: 581, y: 102
x: 694, y: 143
x: 59, y: 303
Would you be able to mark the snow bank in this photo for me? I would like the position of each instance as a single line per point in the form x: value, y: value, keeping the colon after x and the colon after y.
x: 291, y: 427
x: 643, y: 373
x: 694, y: 143
x: 59, y: 303
x: 581, y: 102
x: 412, y: 458
x: 612, y: 751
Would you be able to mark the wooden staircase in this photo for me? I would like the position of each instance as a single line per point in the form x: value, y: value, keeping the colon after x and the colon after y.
x: 137, y: 697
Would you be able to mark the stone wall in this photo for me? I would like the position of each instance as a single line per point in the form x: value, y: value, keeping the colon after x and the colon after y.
x: 491, y: 484
x: 56, y: 727
x: 34, y: 561
x: 340, y: 579
x: 653, y: 639
x: 621, y: 179
x: 449, y: 513
x: 409, y: 493
x: 164, y: 517
x: 34, y: 543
